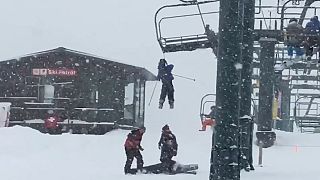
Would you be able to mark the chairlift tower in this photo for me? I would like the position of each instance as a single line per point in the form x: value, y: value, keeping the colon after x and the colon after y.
x: 226, y: 139
x: 246, y: 86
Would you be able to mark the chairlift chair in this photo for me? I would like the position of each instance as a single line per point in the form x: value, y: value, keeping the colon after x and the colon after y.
x: 204, y: 119
x: 184, y: 43
x: 286, y: 9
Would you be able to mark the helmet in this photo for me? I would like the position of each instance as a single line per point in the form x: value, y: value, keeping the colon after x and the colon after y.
x: 165, y: 127
x: 293, y: 20
x: 162, y: 61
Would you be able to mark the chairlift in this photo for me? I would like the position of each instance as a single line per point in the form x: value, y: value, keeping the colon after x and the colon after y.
x: 189, y: 42
x: 304, y: 8
x: 204, y: 119
x: 286, y: 9
x: 208, y: 98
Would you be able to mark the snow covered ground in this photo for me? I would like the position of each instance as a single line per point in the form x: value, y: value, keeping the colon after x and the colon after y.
x: 27, y: 154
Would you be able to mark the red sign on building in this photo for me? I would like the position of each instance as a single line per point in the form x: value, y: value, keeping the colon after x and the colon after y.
x: 54, y: 72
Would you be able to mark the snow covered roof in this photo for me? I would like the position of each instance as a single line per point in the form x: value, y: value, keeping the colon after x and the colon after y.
x: 130, y: 69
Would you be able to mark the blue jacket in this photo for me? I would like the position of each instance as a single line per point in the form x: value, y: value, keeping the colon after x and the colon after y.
x: 164, y: 73
x: 313, y: 25
x: 161, y: 68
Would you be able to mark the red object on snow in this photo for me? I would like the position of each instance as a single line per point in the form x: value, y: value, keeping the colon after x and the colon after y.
x: 51, y: 122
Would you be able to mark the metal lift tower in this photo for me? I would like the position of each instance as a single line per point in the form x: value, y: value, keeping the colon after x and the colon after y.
x: 226, y: 139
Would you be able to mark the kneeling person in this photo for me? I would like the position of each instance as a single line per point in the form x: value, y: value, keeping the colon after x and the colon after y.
x: 168, y: 145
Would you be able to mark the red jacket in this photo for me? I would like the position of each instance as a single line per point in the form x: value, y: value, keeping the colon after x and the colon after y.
x: 133, y: 140
x: 51, y: 122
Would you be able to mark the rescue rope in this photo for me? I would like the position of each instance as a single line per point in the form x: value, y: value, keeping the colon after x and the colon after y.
x: 204, y: 25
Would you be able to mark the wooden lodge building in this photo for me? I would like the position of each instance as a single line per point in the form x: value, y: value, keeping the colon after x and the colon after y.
x: 83, y: 89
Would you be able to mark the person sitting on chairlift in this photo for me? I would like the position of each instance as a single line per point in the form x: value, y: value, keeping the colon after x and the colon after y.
x: 212, y: 37
x: 210, y: 119
x: 294, y: 39
x: 312, y: 40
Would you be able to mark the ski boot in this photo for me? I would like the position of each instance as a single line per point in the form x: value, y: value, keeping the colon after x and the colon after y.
x: 161, y: 103
x: 127, y: 170
x: 141, y: 171
x: 171, y: 104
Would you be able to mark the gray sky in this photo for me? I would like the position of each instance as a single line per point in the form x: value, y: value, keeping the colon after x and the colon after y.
x: 120, y: 30
x: 116, y: 29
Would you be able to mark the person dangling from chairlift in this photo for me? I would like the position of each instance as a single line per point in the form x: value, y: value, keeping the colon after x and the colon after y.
x: 167, y: 89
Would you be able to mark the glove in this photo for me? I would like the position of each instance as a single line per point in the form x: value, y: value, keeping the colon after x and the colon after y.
x: 174, y: 153
x: 163, y: 61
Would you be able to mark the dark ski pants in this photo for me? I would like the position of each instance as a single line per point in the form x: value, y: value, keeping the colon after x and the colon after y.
x: 131, y: 154
x: 297, y: 49
x: 310, y: 43
x: 54, y: 130
x: 167, y: 89
x: 166, y: 159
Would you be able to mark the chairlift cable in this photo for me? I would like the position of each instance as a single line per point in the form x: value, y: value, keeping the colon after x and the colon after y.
x: 164, y: 55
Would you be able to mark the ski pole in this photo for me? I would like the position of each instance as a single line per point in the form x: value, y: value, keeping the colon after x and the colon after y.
x: 184, y: 77
x: 153, y: 93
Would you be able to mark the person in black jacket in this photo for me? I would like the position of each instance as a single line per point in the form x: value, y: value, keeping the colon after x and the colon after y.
x: 213, y: 38
x: 165, y: 75
x: 168, y: 145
